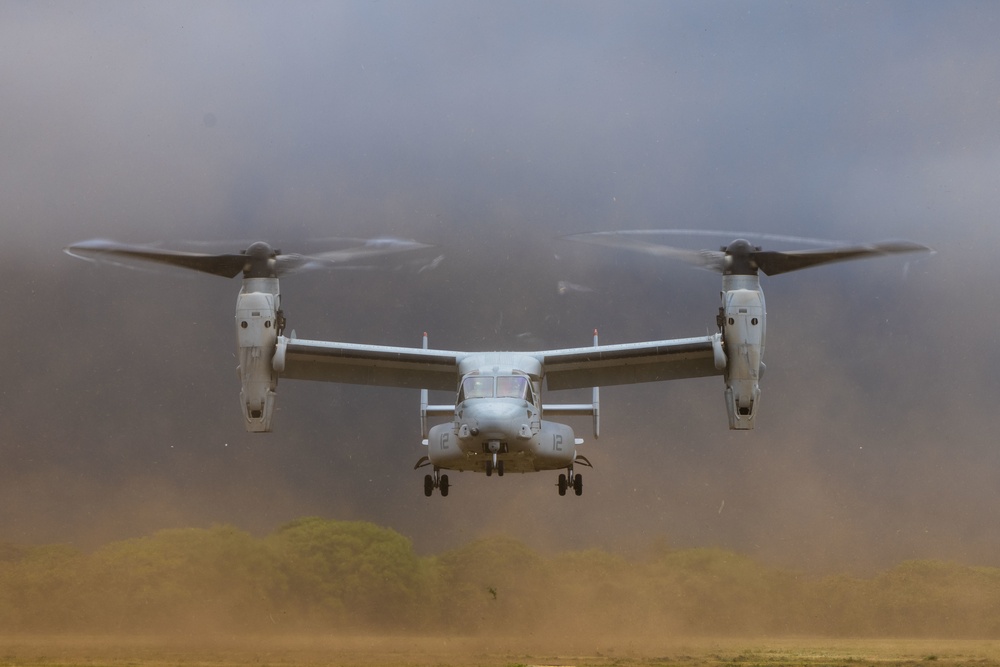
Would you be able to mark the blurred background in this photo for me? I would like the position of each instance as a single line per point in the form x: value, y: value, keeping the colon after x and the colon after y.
x: 491, y: 131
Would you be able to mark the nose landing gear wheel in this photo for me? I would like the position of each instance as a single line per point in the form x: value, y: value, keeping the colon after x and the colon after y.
x: 563, y: 485
x: 578, y: 484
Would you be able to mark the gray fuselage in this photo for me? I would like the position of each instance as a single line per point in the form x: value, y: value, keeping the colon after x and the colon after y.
x: 497, y: 419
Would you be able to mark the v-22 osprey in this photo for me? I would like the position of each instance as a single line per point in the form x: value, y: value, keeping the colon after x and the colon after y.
x: 499, y: 422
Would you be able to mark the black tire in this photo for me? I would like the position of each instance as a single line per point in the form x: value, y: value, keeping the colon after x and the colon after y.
x: 500, y: 468
x: 428, y: 485
x: 578, y: 485
x: 489, y: 468
x: 563, y: 485
x: 444, y: 485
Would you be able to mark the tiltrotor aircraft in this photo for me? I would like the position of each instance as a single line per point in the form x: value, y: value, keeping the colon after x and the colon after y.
x: 498, y: 422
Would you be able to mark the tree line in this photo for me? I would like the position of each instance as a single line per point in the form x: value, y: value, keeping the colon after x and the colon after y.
x: 318, y: 575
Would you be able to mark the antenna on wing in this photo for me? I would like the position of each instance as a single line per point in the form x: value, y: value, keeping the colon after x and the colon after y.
x: 427, y: 410
x: 423, y: 403
x: 597, y: 402
x: 579, y: 409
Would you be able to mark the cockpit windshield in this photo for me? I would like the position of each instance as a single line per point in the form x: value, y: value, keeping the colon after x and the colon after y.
x: 512, y: 386
x: 477, y: 387
x: 488, y: 386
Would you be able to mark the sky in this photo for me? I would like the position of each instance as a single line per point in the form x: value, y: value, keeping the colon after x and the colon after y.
x: 491, y: 131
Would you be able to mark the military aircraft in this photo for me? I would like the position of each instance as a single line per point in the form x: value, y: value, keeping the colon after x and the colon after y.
x: 498, y: 421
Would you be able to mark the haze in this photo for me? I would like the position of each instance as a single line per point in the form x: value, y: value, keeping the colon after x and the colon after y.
x: 492, y: 130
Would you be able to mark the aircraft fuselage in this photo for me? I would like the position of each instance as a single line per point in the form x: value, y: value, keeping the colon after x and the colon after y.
x: 497, y: 423
x: 505, y: 431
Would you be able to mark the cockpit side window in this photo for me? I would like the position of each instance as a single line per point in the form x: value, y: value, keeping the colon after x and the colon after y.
x: 476, y: 387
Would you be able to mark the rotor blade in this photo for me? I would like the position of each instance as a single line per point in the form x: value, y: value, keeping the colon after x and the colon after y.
x: 706, y: 259
x: 260, y: 262
x: 770, y: 262
x: 729, y: 235
x: 773, y: 263
x: 292, y: 263
x: 227, y: 265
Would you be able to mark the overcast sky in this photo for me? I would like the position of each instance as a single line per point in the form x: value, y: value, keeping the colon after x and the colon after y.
x: 491, y: 130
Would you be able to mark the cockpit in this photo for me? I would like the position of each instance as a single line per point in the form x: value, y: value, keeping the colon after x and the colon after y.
x: 495, y: 386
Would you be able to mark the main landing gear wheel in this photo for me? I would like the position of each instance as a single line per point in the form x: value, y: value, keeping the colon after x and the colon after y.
x: 439, y: 482
x: 573, y: 480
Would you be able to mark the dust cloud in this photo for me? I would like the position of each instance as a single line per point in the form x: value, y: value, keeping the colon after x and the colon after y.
x: 869, y: 485
x: 121, y: 417
x: 317, y: 576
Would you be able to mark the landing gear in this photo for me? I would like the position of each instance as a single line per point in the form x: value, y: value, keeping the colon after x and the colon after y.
x: 436, y: 481
x: 573, y: 480
x: 494, y: 465
x: 494, y: 447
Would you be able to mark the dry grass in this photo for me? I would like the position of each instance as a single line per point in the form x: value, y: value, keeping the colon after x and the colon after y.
x: 223, y: 651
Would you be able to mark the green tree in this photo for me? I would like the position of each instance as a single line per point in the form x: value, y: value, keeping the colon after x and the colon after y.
x: 184, y: 578
x: 718, y: 591
x: 346, y: 573
x: 40, y: 588
x: 491, y: 582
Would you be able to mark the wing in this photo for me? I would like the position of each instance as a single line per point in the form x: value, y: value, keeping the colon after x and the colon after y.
x: 631, y: 363
x: 379, y: 365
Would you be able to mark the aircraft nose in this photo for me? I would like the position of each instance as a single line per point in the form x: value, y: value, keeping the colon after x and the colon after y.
x: 496, y: 420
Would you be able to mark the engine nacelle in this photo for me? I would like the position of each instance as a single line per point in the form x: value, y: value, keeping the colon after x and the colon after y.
x: 257, y: 325
x: 742, y: 319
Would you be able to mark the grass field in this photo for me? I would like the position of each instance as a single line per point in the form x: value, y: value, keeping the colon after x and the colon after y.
x: 421, y: 651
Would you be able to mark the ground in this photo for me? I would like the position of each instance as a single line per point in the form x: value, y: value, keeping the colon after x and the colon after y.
x: 490, y: 651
